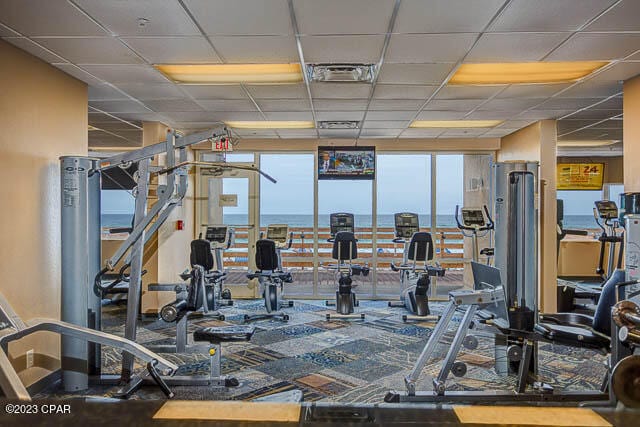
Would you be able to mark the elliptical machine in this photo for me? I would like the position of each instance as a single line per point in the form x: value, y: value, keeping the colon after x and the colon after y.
x: 414, y: 281
x: 479, y: 224
x: 605, y: 213
x: 344, y: 252
x: 271, y: 276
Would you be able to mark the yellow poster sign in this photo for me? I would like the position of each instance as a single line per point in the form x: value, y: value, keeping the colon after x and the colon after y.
x: 580, y: 176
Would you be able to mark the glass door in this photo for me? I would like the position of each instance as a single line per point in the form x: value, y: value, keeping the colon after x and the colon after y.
x: 228, y: 197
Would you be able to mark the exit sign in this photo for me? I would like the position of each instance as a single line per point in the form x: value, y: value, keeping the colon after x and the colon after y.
x: 222, y: 145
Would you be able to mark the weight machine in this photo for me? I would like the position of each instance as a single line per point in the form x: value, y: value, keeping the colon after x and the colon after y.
x: 81, y: 231
x: 415, y: 281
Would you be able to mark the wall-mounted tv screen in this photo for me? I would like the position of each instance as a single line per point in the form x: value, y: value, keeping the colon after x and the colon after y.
x: 346, y: 162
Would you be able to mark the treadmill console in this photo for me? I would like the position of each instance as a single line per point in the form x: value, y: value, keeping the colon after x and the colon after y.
x: 606, y: 209
x: 216, y: 234
x: 406, y: 223
x: 341, y: 222
x: 472, y: 217
x: 278, y: 233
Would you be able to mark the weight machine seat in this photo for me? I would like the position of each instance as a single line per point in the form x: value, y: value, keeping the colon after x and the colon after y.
x: 201, y: 254
x: 568, y: 319
x: 266, y: 255
x: 345, y: 246
x: 572, y: 336
x: 219, y: 334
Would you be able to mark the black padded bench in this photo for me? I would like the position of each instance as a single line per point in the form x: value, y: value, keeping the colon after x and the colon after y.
x: 215, y: 336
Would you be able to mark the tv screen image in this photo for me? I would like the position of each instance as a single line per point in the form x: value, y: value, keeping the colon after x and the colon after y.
x: 346, y: 162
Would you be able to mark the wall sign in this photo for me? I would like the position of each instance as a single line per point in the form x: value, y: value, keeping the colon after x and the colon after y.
x: 580, y: 176
x: 228, y: 200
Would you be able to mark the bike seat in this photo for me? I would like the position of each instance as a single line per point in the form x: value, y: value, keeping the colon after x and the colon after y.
x: 218, y: 334
x: 487, y: 251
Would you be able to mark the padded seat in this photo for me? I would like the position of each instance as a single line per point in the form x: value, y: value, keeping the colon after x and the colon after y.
x: 220, y: 334
x: 572, y: 336
x: 569, y: 319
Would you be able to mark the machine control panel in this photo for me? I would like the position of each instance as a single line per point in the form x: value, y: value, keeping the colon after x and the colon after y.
x: 218, y: 235
x: 606, y: 209
x: 278, y: 233
x: 341, y: 222
x: 406, y: 224
x: 472, y: 217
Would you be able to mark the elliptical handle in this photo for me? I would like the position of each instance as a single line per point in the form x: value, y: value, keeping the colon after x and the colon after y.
x: 460, y: 226
x: 490, y: 225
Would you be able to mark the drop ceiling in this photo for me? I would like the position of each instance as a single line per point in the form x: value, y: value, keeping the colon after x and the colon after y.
x: 111, y: 45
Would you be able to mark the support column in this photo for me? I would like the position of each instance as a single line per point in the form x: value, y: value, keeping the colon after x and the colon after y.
x: 538, y: 142
x: 631, y: 133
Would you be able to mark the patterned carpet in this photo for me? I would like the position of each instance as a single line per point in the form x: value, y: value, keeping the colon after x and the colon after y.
x: 348, y: 361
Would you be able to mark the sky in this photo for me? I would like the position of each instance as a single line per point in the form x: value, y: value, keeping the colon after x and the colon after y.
x: 403, y: 185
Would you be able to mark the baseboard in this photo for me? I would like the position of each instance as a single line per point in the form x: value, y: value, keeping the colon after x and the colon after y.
x: 45, y: 382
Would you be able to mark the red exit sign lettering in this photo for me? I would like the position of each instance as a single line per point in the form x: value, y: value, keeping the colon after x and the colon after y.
x: 222, y: 145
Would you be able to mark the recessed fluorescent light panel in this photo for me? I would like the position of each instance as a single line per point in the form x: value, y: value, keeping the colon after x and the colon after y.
x: 232, y: 73
x: 341, y: 73
x: 334, y: 124
x: 587, y: 143
x: 264, y: 124
x: 455, y: 123
x: 523, y: 72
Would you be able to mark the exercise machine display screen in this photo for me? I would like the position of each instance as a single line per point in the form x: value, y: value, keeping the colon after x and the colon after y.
x: 341, y: 222
x: 406, y: 224
x: 472, y: 217
x: 216, y: 234
x: 607, y: 209
x: 278, y: 233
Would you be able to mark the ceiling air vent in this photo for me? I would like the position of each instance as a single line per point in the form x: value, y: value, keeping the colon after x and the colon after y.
x: 341, y: 73
x: 335, y: 124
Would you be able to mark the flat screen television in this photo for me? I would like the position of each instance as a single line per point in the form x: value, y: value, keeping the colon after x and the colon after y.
x: 346, y: 163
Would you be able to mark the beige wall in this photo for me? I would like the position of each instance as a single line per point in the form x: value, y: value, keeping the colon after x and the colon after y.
x: 631, y: 133
x: 43, y: 115
x: 537, y: 142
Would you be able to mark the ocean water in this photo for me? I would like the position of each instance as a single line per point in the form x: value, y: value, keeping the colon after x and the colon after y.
x: 124, y: 220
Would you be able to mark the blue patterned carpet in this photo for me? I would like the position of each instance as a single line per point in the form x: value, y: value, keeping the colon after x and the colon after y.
x: 341, y: 361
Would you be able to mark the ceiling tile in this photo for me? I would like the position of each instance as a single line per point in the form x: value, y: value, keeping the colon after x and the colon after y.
x: 340, y: 90
x: 170, y: 105
x: 148, y: 117
x: 593, y: 88
x: 428, y: 48
x: 343, y: 16
x: 105, y: 139
x: 34, y: 49
x: 173, y: 50
x: 595, y: 114
x: 389, y: 91
x: 339, y: 115
x: 390, y: 115
x: 468, y: 92
x: 509, y: 104
x: 339, y: 104
x: 609, y: 104
x: 289, y: 115
x: 338, y: 133
x: 561, y: 103
x: 571, y: 124
x: 224, y: 17
x: 619, y: 72
x: 256, y: 49
x: 79, y: 74
x: 543, y: 114
x: 445, y: 16
x: 100, y: 118
x: 98, y: 50
x: 211, y: 117
x: 215, y: 91
x: 297, y: 133
x: 112, y: 126
x: 532, y: 91
x: 152, y: 90
x: 165, y: 18
x: 491, y: 115
x: 385, y: 124
x: 453, y: 104
x: 227, y: 105
x: 623, y: 17
x: 596, y: 47
x: 462, y: 133
x: 236, y: 115
x: 194, y: 125
x: 256, y: 133
x: 105, y: 92
x: 126, y: 73
x: 282, y: 91
x: 514, y: 47
x: 46, y: 18
x: 283, y: 104
x: 123, y: 106
x: 497, y: 133
x: 421, y: 133
x: 335, y: 49
x: 422, y: 74
x: 548, y: 15
x: 396, y: 104
x: 440, y: 115
x: 515, y: 124
x: 381, y: 133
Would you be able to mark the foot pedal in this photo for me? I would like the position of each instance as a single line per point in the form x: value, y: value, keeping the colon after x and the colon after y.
x: 128, y: 389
